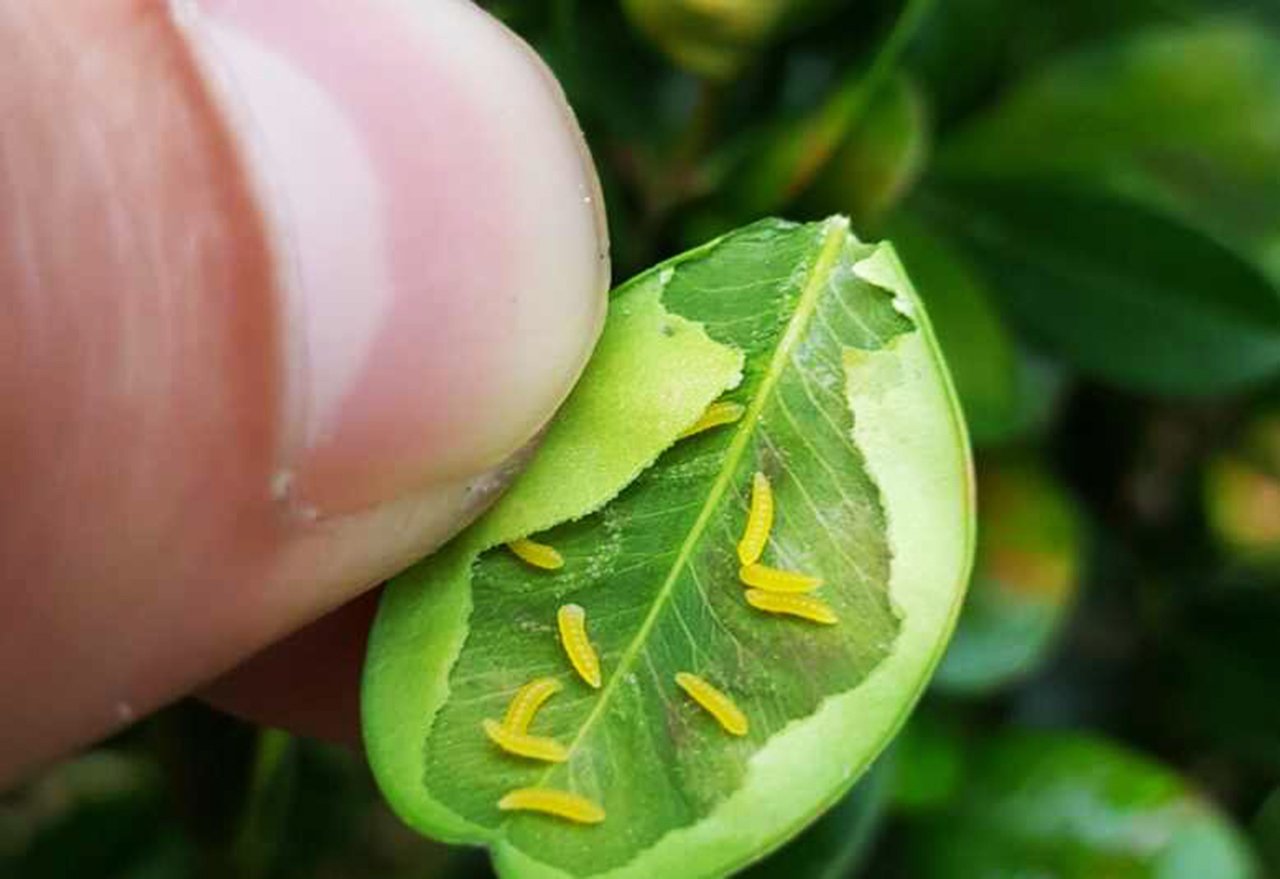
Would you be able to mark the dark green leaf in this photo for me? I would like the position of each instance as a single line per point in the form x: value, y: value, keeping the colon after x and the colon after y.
x: 1125, y: 293
x: 1074, y: 807
x: 1186, y: 118
x: 849, y: 411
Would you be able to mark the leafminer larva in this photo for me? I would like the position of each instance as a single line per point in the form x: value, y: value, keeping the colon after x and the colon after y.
x: 716, y: 703
x: 777, y: 580
x: 759, y: 520
x: 718, y: 413
x: 524, y: 745
x: 560, y: 803
x: 572, y: 620
x: 537, y: 554
x: 803, y: 606
x: 526, y: 702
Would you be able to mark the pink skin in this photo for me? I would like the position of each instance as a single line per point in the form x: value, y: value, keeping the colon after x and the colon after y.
x: 282, y: 284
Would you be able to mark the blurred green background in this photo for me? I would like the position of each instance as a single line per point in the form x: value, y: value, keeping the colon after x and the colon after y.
x: 1087, y: 194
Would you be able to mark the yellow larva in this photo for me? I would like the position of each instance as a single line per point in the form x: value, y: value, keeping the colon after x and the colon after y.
x: 717, y: 414
x: 559, y: 803
x: 526, y: 702
x: 804, y: 606
x: 776, y: 580
x: 759, y: 521
x: 524, y: 745
x: 537, y: 554
x: 572, y: 620
x: 716, y: 703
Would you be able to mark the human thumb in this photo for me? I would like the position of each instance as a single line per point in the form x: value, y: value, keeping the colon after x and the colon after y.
x: 287, y: 290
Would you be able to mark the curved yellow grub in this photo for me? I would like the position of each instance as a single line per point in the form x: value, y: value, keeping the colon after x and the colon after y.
x: 804, y: 606
x: 716, y: 703
x: 524, y: 745
x: 572, y: 621
x: 719, y: 413
x: 776, y: 580
x: 539, y: 555
x: 526, y: 702
x: 560, y: 803
x: 759, y: 521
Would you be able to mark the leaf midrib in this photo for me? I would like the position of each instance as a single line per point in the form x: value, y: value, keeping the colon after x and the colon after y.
x: 832, y: 246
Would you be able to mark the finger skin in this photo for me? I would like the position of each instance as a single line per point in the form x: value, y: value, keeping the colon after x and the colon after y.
x: 308, y: 683
x: 144, y: 371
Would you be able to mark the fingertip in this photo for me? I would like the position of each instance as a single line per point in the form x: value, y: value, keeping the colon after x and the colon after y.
x: 444, y: 254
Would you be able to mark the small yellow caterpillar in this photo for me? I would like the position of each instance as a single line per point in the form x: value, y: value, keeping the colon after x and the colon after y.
x: 572, y: 621
x: 537, y: 554
x: 526, y: 702
x: 759, y: 521
x: 559, y: 803
x: 718, y: 413
x: 524, y: 745
x: 804, y: 606
x: 776, y: 580
x: 716, y: 703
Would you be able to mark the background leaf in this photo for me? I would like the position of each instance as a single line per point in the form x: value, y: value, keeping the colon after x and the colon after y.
x: 1072, y: 806
x: 1025, y: 578
x: 1125, y: 293
x: 1186, y: 119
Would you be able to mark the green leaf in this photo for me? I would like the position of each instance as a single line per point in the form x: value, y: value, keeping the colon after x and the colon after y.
x: 1186, y: 118
x: 1123, y: 292
x: 1076, y: 807
x: 1025, y: 578
x: 849, y: 411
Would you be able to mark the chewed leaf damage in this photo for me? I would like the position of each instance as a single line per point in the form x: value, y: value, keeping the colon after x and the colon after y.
x: 660, y: 564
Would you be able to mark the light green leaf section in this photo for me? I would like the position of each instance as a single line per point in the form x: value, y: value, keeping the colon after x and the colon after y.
x: 850, y: 412
x: 978, y: 346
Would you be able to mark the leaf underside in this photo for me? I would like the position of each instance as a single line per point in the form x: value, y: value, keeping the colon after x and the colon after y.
x: 781, y: 319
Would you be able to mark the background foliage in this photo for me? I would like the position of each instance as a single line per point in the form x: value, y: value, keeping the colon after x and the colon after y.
x: 1087, y: 194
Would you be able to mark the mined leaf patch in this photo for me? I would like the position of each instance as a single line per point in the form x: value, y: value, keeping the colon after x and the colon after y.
x: 810, y: 331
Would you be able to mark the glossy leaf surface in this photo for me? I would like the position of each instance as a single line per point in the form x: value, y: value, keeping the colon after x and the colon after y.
x: 1124, y: 292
